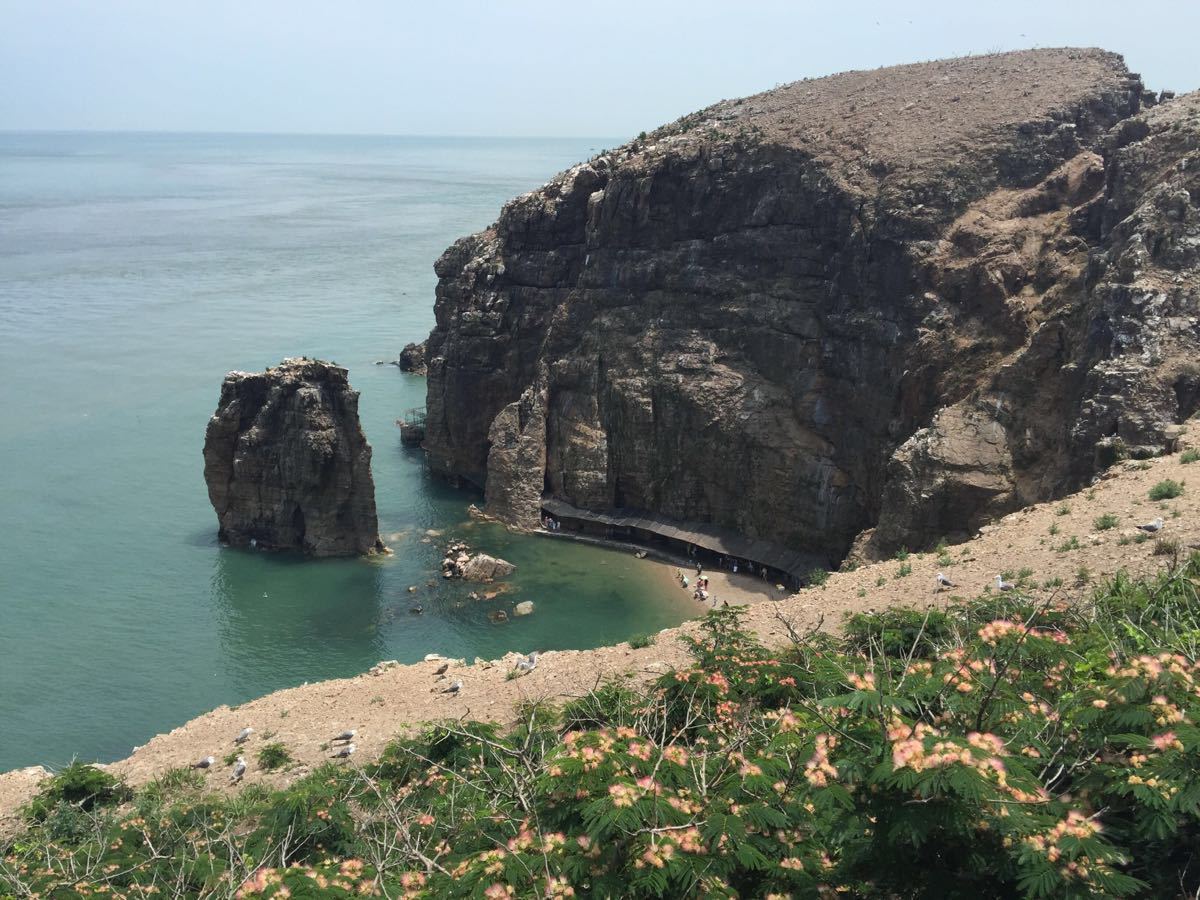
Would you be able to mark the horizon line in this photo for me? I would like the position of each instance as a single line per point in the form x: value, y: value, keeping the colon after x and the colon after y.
x: 218, y: 133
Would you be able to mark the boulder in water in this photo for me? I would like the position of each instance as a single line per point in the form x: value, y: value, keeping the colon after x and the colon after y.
x: 524, y: 608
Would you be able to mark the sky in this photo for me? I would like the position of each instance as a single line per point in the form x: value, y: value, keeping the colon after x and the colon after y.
x: 506, y: 67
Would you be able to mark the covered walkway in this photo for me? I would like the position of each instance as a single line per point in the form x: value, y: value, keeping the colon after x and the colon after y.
x: 711, y: 545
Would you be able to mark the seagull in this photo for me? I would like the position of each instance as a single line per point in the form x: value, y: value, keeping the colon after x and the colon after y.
x: 442, y: 669
x: 347, y: 735
x: 343, y: 752
x: 1003, y: 585
x: 943, y: 581
x: 204, y: 763
x: 454, y: 688
x: 1152, y: 527
x: 416, y: 610
x: 243, y: 735
x: 528, y: 663
x: 239, y: 769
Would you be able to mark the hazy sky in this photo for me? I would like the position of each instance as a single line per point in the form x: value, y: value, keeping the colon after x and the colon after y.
x: 506, y: 67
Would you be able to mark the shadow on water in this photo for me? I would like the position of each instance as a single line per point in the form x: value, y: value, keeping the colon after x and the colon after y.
x: 284, y: 619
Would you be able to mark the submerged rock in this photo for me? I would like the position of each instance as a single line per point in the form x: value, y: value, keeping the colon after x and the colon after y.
x: 287, y: 464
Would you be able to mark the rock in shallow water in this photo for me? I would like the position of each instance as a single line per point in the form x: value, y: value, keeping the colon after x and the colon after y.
x: 287, y: 464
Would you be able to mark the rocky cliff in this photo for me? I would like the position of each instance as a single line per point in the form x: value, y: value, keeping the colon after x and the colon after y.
x: 893, y: 303
x: 287, y: 465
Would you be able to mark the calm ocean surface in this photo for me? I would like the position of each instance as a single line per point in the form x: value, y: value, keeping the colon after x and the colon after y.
x: 135, y: 271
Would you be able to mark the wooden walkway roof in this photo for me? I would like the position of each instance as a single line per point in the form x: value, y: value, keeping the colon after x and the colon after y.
x: 705, y: 535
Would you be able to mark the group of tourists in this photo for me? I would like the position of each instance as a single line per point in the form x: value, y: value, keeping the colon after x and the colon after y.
x: 551, y: 524
x: 700, y: 592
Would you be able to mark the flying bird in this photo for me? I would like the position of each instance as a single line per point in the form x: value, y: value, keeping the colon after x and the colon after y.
x: 204, y: 763
x: 1152, y: 527
x: 343, y: 752
x: 442, y: 669
x: 454, y: 688
x: 243, y: 735
x: 347, y: 735
x: 943, y: 581
x: 1002, y: 585
x: 528, y: 663
x: 239, y: 769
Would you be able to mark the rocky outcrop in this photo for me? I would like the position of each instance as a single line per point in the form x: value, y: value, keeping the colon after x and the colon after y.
x: 910, y: 299
x: 412, y: 358
x: 287, y: 464
x: 460, y: 562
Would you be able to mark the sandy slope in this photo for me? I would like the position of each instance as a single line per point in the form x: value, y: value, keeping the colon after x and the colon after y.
x: 380, y: 706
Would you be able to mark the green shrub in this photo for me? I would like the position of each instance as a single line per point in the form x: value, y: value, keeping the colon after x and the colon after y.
x: 816, y: 577
x: 1189, y: 456
x: 1166, y: 490
x: 80, y: 785
x: 274, y: 756
x: 897, y: 632
x: 1105, y: 522
x: 641, y: 640
x: 904, y: 571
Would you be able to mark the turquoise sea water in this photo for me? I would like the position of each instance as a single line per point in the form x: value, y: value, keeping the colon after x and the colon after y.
x: 135, y: 270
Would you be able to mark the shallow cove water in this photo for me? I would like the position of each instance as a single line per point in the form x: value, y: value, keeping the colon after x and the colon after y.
x: 135, y: 270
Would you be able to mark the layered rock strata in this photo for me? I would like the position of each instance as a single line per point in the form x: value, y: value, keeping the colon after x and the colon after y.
x: 287, y: 464
x: 906, y: 300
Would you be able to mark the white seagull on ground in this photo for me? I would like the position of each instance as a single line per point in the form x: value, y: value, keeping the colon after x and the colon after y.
x: 527, y: 663
x: 239, y: 769
x: 1152, y: 527
x: 204, y: 763
x: 243, y: 735
x: 943, y: 581
x: 347, y: 735
x: 344, y: 752
x: 454, y: 688
x: 1002, y: 585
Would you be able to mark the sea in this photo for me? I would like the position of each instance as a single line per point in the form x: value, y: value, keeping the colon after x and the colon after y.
x: 135, y: 271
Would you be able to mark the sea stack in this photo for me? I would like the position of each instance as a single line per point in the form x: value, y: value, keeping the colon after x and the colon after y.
x: 287, y: 464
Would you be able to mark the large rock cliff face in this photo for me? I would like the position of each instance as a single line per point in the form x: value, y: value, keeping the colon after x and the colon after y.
x: 287, y: 464
x: 905, y: 300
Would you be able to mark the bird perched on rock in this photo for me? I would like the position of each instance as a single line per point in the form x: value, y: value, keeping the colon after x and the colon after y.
x: 239, y: 769
x: 1152, y: 527
x: 943, y: 581
x: 1002, y: 585
x: 454, y: 688
x: 347, y: 735
x: 204, y: 763
x: 442, y: 669
x: 527, y: 663
x: 343, y: 752
x: 243, y: 735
